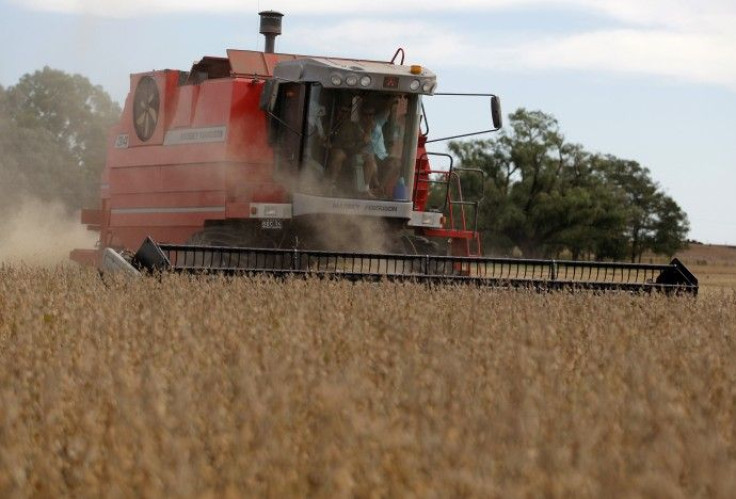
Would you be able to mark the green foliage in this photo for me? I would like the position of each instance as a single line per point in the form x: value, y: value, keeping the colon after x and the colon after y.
x: 53, y: 129
x: 670, y: 227
x: 546, y: 197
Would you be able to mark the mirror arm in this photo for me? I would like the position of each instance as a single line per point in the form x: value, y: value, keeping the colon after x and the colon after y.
x: 461, y: 94
x: 464, y: 94
x: 463, y: 135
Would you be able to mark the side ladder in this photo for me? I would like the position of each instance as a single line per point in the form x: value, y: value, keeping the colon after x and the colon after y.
x: 460, y: 213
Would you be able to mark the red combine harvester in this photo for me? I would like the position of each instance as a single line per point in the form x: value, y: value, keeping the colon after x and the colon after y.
x: 282, y: 163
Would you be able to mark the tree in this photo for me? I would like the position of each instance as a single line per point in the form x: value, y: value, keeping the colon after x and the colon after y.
x: 53, y: 138
x: 670, y: 227
x: 540, y: 195
x: 654, y: 221
x: 545, y: 197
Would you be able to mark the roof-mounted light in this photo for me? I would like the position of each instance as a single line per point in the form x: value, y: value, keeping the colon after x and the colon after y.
x: 414, y: 85
x: 351, y: 80
x: 336, y: 79
x: 365, y: 81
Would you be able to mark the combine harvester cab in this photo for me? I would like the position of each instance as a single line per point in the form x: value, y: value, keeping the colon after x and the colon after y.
x: 290, y: 164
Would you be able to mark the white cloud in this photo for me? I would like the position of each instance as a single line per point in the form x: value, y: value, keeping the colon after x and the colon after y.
x: 380, y: 39
x: 634, y: 11
x: 691, y: 39
x: 689, y: 15
x: 687, y: 56
x: 135, y: 8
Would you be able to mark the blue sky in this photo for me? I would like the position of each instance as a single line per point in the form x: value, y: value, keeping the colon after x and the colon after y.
x: 652, y: 81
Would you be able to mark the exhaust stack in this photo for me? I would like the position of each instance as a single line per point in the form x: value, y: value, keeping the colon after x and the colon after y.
x: 270, y: 28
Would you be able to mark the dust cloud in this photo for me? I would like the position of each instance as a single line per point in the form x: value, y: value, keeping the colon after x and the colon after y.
x: 356, y: 234
x: 41, y: 233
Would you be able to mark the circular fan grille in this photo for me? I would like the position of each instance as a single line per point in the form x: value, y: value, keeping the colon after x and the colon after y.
x: 145, y: 108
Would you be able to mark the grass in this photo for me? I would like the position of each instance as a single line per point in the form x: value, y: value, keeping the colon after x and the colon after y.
x: 199, y: 386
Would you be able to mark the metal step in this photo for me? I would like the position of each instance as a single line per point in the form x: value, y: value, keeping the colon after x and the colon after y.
x: 500, y: 272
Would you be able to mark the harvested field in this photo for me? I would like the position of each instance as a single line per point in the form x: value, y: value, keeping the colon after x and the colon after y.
x: 202, y: 386
x: 714, y: 265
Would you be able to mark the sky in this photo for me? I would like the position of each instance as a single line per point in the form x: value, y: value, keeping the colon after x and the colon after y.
x: 652, y: 81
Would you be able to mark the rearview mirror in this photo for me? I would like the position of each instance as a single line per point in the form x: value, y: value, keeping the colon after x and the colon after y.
x: 496, y: 114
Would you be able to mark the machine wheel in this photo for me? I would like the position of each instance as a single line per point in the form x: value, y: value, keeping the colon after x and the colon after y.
x: 417, y: 245
x: 410, y: 244
x: 220, y: 236
x: 235, y: 236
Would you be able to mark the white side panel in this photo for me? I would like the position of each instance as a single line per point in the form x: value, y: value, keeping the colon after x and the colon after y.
x: 270, y: 210
x: 304, y: 204
x: 112, y: 262
x: 427, y: 219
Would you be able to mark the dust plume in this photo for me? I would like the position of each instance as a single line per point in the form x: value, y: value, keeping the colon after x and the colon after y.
x: 41, y: 233
x: 350, y: 234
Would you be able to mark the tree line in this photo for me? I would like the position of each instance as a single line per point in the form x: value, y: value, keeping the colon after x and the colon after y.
x: 545, y: 197
x: 542, y: 196
x: 53, y: 129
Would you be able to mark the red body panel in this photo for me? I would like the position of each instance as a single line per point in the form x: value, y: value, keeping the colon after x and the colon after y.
x: 250, y: 63
x: 422, y: 171
x: 207, y: 159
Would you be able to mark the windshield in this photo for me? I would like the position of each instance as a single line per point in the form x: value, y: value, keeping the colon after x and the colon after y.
x: 359, y: 144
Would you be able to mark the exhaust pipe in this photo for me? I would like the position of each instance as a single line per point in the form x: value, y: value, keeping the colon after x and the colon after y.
x: 270, y: 28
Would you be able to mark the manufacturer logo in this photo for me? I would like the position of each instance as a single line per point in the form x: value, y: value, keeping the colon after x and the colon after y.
x: 195, y: 135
